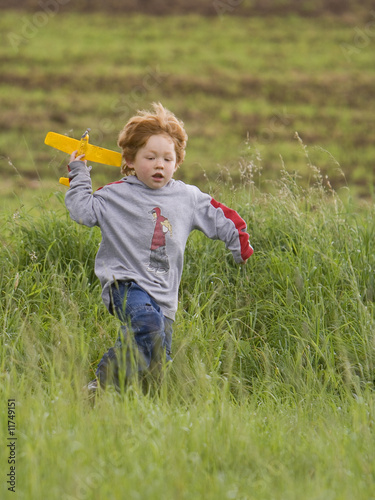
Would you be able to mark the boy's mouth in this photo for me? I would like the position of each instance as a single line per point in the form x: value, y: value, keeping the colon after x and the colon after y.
x: 157, y: 176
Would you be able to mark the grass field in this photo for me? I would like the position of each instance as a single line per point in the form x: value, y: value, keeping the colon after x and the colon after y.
x: 271, y: 392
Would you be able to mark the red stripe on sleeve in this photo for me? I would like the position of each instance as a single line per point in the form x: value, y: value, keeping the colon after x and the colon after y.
x: 110, y: 184
x: 246, y: 249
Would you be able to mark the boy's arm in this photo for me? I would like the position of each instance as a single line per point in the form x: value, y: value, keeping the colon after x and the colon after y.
x: 83, y: 206
x: 217, y: 221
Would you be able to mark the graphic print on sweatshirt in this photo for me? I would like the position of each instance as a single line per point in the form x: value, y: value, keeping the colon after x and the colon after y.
x: 159, y: 262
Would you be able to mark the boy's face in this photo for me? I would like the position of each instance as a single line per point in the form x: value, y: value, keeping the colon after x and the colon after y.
x: 155, y: 163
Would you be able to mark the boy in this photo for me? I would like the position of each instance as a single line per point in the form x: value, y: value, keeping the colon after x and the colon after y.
x: 145, y: 220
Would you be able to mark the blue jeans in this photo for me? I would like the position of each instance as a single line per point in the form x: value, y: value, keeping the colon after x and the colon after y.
x: 145, y: 336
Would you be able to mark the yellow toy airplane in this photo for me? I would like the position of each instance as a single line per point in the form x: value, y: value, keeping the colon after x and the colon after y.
x: 91, y: 152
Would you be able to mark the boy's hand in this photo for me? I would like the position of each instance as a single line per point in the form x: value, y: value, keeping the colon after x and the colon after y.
x: 78, y: 158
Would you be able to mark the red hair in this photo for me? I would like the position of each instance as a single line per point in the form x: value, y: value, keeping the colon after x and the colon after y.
x: 141, y: 127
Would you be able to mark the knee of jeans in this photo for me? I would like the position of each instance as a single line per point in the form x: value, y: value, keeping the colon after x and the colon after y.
x: 146, y: 319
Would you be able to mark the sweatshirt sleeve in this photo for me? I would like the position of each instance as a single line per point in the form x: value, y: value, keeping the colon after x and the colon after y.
x: 84, y: 207
x: 217, y: 221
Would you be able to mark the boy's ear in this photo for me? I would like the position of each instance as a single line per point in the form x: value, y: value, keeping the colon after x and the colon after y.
x: 129, y: 163
x: 182, y: 160
x: 182, y: 157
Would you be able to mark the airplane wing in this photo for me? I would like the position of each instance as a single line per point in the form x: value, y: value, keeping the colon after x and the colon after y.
x: 101, y: 155
x: 93, y: 153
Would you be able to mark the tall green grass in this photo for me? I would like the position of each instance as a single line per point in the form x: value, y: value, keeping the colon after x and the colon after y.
x: 271, y: 391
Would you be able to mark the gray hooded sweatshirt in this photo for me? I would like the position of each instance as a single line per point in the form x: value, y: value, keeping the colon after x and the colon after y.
x: 144, y: 230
